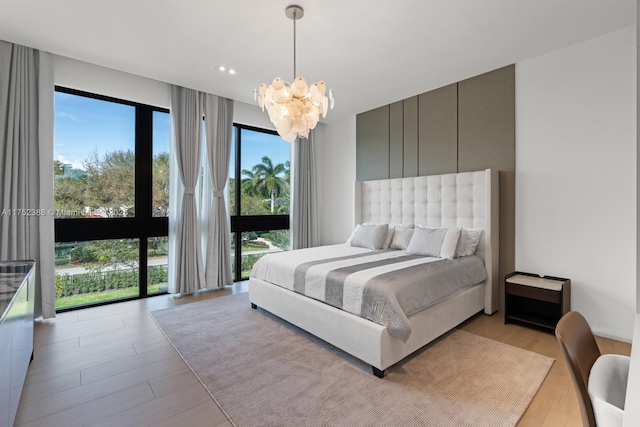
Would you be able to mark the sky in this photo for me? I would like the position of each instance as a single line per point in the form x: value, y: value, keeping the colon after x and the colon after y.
x: 83, y: 125
x: 256, y: 145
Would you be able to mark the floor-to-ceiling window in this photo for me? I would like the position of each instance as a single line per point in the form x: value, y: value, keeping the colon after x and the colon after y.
x: 259, y: 196
x: 111, y: 196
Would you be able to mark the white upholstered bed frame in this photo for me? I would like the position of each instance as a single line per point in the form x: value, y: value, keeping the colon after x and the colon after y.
x: 468, y: 199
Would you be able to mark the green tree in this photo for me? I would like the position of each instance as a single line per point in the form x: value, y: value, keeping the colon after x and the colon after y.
x: 69, y: 194
x: 116, y: 254
x: 111, y: 183
x: 266, y: 180
x: 254, y: 205
x: 161, y: 184
x: 158, y: 246
x: 232, y: 196
x: 287, y: 171
x: 247, y: 186
x: 281, y: 239
x: 58, y: 168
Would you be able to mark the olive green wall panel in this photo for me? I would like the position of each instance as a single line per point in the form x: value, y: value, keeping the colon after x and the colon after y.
x: 396, y: 150
x: 410, y: 136
x: 486, y: 139
x: 486, y: 121
x: 372, y: 144
x: 438, y: 131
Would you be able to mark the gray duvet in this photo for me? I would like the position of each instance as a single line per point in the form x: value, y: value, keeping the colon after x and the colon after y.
x: 385, y: 286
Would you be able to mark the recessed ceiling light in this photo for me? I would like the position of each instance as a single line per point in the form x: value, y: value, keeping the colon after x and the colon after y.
x: 221, y: 68
x: 232, y: 71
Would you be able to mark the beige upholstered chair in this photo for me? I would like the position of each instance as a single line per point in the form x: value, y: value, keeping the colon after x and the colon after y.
x: 600, y: 381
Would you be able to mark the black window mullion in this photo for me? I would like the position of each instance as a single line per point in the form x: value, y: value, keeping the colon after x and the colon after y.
x: 144, y: 188
x: 238, y: 183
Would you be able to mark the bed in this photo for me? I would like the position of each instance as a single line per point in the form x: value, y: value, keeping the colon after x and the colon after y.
x: 468, y: 199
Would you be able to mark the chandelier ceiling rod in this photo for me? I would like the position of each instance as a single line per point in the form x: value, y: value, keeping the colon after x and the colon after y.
x: 294, y: 12
x: 294, y: 45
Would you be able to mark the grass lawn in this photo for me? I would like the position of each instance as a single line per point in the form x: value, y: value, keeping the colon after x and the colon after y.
x: 95, y: 297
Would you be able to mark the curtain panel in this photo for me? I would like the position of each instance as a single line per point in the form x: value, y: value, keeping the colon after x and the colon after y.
x: 200, y: 253
x: 218, y: 118
x: 26, y: 173
x: 185, y: 262
x: 303, y: 206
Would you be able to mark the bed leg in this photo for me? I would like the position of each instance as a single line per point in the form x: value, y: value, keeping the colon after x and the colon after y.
x: 377, y: 372
x: 254, y: 306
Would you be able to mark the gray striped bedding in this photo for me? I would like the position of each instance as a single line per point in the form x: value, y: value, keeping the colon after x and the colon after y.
x: 382, y: 286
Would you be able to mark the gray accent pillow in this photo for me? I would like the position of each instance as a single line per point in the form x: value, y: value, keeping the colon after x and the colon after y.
x: 370, y: 236
x: 401, y: 237
x: 387, y: 240
x: 427, y: 241
x: 468, y: 242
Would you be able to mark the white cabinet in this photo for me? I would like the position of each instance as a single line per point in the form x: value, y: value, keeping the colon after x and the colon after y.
x: 17, y: 287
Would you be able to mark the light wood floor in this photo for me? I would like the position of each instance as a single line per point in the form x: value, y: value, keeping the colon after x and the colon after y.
x: 112, y: 366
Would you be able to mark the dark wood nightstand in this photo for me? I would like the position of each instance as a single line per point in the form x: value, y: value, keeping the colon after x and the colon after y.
x: 536, y: 300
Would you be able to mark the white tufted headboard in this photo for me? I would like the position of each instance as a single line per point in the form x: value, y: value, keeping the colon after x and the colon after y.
x: 467, y: 199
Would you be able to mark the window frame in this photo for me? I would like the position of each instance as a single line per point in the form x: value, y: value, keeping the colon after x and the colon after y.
x: 143, y: 225
x: 246, y: 223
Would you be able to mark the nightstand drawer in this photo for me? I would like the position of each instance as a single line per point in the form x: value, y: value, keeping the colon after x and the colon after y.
x: 534, y: 293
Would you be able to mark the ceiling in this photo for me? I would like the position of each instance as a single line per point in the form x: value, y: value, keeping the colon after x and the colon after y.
x: 370, y: 53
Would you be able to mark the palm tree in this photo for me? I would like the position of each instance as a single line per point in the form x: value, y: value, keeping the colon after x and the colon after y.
x: 287, y: 171
x: 265, y: 180
x: 246, y: 185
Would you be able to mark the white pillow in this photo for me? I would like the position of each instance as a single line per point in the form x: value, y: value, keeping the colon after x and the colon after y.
x: 427, y: 241
x: 450, y: 243
x: 370, y: 236
x: 468, y: 242
x: 401, y: 237
x: 387, y: 240
x: 348, y: 242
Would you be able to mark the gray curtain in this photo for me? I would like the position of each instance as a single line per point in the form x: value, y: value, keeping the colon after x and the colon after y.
x: 219, y: 126
x: 303, y: 195
x: 26, y: 172
x: 186, y: 120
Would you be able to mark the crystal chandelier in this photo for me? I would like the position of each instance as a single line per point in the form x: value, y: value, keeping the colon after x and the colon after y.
x: 294, y: 108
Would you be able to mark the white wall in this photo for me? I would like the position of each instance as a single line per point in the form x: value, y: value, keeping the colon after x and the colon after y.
x: 637, y: 159
x: 335, y: 153
x: 576, y: 175
x: 109, y: 82
x: 117, y: 84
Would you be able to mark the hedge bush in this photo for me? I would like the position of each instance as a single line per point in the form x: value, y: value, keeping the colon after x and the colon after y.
x: 67, y: 284
x: 84, y: 253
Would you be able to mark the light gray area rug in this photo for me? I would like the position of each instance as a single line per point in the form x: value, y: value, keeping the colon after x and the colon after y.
x: 265, y: 372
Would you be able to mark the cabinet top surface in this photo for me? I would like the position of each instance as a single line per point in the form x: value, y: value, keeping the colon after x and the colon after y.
x: 536, y: 282
x: 12, y: 274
